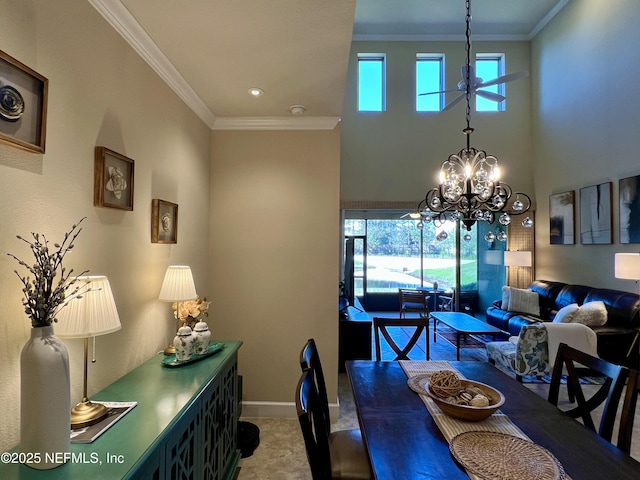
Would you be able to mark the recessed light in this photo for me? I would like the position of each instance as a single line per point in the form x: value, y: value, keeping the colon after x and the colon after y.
x: 255, y: 91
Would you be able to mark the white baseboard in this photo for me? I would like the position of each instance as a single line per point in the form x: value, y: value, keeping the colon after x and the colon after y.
x: 279, y: 410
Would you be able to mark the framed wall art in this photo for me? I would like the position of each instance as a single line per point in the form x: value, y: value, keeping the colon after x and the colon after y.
x: 113, y: 175
x: 561, y: 218
x: 164, y: 222
x: 595, y: 214
x: 629, y: 191
x: 23, y: 105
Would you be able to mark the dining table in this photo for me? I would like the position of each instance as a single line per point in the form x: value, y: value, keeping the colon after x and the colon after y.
x: 404, y: 442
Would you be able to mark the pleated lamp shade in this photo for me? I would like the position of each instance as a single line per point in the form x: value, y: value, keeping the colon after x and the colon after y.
x: 628, y: 266
x: 93, y: 314
x: 178, y: 284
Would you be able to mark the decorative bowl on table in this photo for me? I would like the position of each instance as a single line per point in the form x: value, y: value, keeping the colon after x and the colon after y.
x: 454, y: 406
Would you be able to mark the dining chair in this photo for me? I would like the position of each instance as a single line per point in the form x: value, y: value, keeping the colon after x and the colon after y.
x: 413, y: 300
x: 337, y: 455
x: 394, y: 331
x: 629, y: 411
x: 310, y: 358
x: 608, y: 393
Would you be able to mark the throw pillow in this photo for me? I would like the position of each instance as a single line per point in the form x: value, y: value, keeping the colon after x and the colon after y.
x: 506, y: 295
x: 592, y: 314
x: 566, y: 314
x: 524, y: 301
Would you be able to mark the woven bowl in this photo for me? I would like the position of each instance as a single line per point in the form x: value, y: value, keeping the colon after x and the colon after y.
x: 467, y: 412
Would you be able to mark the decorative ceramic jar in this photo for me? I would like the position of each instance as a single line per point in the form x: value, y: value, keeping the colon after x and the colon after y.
x: 183, y: 343
x: 45, y: 400
x: 203, y: 337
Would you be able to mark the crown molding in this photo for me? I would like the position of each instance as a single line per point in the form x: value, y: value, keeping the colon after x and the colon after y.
x: 117, y: 15
x: 275, y: 123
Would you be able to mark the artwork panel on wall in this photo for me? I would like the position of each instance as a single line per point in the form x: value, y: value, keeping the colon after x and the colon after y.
x: 113, y: 177
x: 561, y: 218
x: 23, y: 105
x: 596, y: 222
x: 629, y: 193
x: 164, y: 222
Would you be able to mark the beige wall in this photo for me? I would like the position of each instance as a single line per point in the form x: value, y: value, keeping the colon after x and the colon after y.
x: 274, y: 262
x: 101, y: 93
x: 396, y: 155
x: 585, y: 128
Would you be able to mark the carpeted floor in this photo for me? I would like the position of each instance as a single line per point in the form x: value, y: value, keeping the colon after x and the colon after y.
x: 281, y: 454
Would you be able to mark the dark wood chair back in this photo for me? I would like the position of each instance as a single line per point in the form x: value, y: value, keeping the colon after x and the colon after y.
x: 312, y: 424
x: 629, y: 411
x: 608, y: 393
x: 310, y: 358
x: 389, y: 328
x: 413, y: 300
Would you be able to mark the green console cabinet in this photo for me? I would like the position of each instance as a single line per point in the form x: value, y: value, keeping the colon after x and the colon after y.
x: 183, y: 427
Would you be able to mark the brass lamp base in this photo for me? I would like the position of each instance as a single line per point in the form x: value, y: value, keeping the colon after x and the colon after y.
x: 170, y: 350
x: 87, y: 413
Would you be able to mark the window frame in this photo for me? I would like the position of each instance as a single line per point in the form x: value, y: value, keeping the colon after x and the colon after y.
x: 431, y: 57
x: 499, y: 58
x: 373, y: 57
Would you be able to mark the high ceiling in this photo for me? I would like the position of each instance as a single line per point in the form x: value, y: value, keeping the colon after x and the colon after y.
x: 212, y: 51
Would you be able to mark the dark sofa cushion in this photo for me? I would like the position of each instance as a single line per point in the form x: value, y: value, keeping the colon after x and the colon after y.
x: 572, y: 294
x: 547, y: 292
x: 622, y: 307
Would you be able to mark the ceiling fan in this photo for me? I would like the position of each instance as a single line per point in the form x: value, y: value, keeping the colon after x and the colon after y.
x: 476, y: 84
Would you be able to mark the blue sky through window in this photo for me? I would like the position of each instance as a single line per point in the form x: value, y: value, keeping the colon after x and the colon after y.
x: 371, y: 84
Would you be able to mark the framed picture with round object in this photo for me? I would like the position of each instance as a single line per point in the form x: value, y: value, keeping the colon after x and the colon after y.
x: 23, y: 105
x: 164, y: 221
x: 113, y: 180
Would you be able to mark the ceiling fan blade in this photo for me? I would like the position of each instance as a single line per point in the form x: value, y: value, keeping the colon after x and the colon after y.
x: 494, y: 97
x: 504, y: 79
x: 454, y: 102
x: 442, y: 91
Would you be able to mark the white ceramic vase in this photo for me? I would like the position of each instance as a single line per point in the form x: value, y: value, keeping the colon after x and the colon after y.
x: 203, y: 337
x: 183, y: 343
x: 45, y: 403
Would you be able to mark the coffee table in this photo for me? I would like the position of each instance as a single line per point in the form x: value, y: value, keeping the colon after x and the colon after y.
x: 464, y: 324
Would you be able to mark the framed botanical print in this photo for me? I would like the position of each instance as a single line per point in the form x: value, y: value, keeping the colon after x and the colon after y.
x: 629, y: 192
x: 23, y: 105
x: 113, y: 175
x: 561, y: 218
x: 595, y: 214
x: 164, y: 221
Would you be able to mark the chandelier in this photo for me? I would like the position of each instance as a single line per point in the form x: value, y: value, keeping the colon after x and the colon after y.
x: 470, y: 189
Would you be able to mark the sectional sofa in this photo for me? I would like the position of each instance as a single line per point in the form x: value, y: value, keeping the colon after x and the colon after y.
x: 618, y: 338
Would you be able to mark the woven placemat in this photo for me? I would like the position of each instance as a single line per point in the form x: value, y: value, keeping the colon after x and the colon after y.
x: 498, y: 456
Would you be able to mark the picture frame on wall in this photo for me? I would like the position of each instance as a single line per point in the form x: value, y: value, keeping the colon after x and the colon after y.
x: 562, y: 218
x: 596, y: 219
x: 23, y: 105
x: 114, y: 176
x: 629, y: 198
x: 164, y: 221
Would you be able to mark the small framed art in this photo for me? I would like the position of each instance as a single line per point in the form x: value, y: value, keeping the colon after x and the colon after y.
x: 561, y: 218
x: 629, y: 192
x: 23, y: 105
x: 113, y: 175
x: 164, y: 221
x: 595, y: 214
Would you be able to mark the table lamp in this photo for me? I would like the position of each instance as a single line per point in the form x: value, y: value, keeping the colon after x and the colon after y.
x: 517, y: 259
x: 178, y: 287
x: 627, y: 266
x: 92, y: 314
